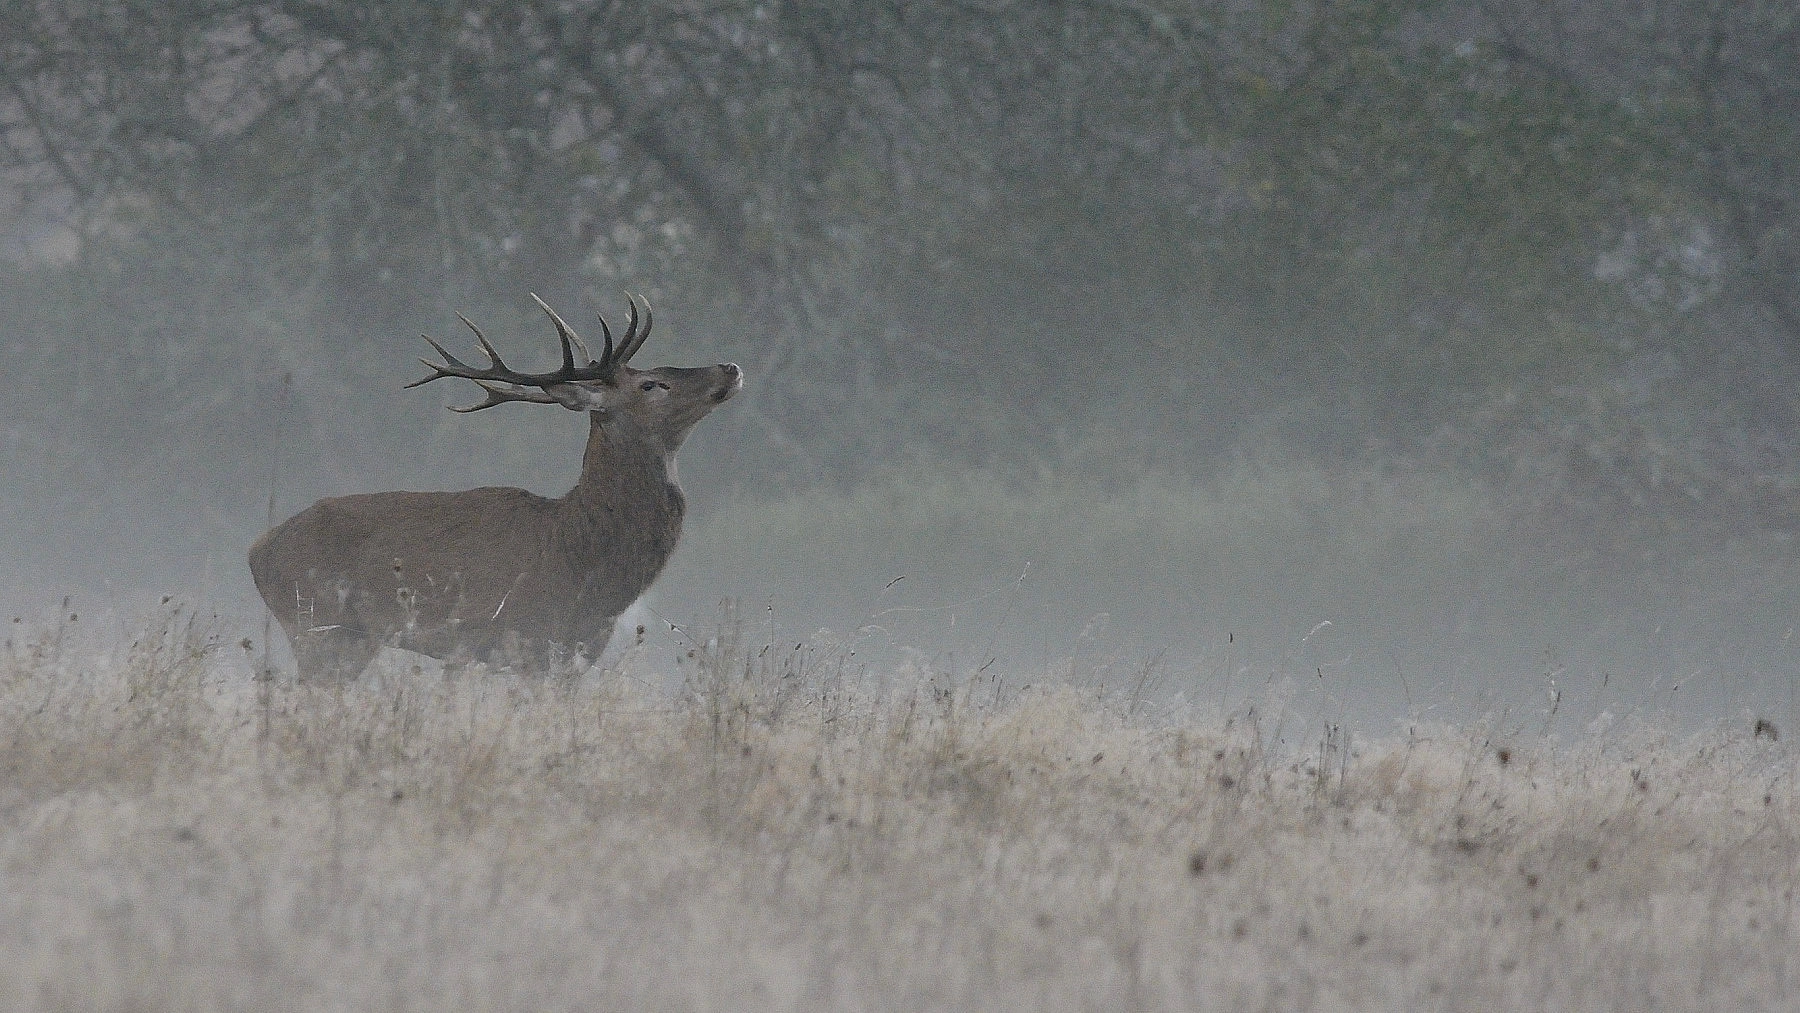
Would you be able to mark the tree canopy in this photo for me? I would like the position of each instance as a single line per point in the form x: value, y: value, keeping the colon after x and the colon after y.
x: 992, y: 195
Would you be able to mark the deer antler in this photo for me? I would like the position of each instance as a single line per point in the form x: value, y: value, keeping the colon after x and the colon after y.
x: 501, y: 395
x: 504, y: 384
x: 634, y: 338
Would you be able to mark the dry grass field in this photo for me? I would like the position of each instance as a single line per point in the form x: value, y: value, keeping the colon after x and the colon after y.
x: 755, y: 826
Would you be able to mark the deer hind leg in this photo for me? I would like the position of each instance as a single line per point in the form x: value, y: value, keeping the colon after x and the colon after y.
x: 567, y: 661
x: 337, y: 654
x: 512, y: 653
x: 574, y: 656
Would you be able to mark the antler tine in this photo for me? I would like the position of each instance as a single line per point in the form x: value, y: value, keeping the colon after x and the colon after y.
x: 438, y: 372
x: 627, y: 344
x: 591, y: 369
x: 634, y: 338
x: 606, y: 332
x: 501, y: 395
x: 493, y: 356
x: 565, y: 334
x: 587, y: 357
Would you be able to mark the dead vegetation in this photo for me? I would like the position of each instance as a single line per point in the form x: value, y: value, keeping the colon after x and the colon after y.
x: 761, y: 825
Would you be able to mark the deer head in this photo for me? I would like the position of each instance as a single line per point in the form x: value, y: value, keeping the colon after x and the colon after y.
x: 664, y: 403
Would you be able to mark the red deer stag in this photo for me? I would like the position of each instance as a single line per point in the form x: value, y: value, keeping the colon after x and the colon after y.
x: 500, y: 574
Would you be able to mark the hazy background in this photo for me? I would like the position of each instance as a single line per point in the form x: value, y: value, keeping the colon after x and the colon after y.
x: 1429, y: 357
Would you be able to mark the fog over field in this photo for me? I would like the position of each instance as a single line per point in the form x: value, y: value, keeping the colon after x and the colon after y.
x: 1358, y: 439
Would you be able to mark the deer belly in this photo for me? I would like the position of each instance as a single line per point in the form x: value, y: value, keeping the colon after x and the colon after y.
x: 448, y: 616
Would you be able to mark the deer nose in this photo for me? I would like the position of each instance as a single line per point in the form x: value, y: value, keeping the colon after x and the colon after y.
x: 734, y: 380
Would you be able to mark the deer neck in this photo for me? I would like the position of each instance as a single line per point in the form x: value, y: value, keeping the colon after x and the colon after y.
x: 625, y: 511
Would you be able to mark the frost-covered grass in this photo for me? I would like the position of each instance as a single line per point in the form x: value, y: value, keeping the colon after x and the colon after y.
x: 757, y: 825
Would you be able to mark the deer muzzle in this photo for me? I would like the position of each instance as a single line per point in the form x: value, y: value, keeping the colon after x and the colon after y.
x: 734, y: 382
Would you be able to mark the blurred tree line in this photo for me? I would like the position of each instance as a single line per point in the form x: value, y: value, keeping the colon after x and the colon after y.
x: 1125, y: 232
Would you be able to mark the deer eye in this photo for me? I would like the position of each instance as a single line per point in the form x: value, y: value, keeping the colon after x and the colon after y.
x: 648, y: 385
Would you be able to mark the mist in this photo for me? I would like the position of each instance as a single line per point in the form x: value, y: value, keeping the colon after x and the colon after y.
x: 1253, y: 505
x: 1415, y: 363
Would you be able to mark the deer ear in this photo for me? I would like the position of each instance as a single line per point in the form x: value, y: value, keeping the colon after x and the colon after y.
x: 579, y: 397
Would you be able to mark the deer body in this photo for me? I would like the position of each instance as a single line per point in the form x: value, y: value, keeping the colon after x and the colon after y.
x: 499, y: 574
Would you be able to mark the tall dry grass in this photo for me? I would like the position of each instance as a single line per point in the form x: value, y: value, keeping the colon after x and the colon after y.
x: 741, y: 824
